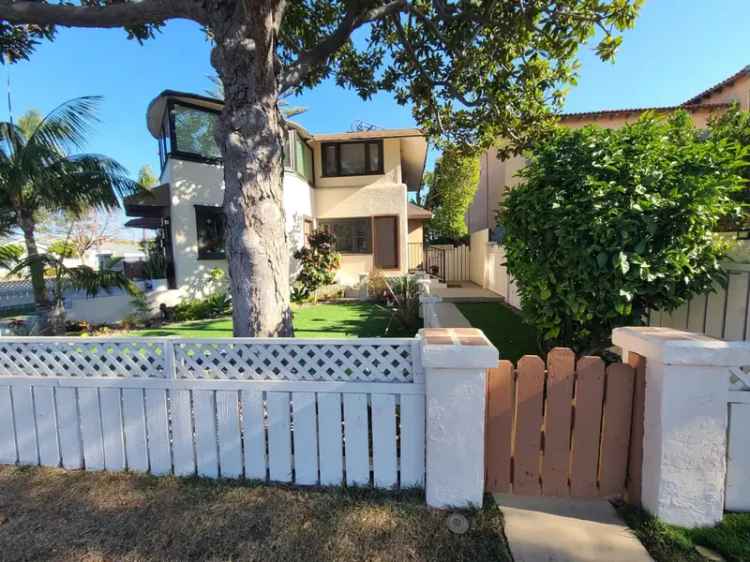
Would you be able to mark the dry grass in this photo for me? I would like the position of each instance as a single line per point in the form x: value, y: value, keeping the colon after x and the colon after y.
x: 62, y: 515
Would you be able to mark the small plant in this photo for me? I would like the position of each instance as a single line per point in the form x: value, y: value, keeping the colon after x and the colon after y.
x: 213, y: 306
x: 141, y: 309
x: 402, y: 298
x: 319, y: 262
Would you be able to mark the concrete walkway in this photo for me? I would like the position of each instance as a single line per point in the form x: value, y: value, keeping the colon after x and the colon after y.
x: 543, y: 529
x: 466, y: 291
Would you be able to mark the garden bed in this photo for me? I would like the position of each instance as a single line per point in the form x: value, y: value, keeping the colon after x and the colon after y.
x: 52, y: 514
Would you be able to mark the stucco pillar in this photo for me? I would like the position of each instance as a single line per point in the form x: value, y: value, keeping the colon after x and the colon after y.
x: 455, y: 364
x: 685, y: 421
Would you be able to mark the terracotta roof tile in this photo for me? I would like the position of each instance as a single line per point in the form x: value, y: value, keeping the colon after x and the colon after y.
x: 716, y: 87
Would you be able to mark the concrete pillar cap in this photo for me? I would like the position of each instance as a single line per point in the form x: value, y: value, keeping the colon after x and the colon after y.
x: 676, y: 347
x: 451, y: 348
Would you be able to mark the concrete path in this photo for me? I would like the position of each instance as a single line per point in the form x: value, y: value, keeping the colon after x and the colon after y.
x: 567, y: 530
x: 449, y: 316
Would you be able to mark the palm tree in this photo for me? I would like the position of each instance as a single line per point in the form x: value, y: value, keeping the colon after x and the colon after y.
x: 41, y: 171
x: 81, y: 278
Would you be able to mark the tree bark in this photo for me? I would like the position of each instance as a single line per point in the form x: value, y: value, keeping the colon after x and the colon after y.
x: 250, y: 137
x: 41, y: 301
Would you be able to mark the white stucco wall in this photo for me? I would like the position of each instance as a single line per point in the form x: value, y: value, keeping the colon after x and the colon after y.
x: 193, y: 183
x: 375, y: 199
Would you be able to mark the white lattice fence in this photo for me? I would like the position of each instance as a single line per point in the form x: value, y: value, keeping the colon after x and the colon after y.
x: 304, y: 411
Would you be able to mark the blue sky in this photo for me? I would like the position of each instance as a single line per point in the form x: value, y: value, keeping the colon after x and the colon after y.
x: 678, y: 48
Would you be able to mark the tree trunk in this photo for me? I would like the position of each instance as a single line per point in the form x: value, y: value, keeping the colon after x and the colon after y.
x: 250, y: 137
x: 41, y: 301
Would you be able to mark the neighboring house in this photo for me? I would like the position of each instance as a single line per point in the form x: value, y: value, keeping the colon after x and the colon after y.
x: 354, y: 184
x: 498, y: 174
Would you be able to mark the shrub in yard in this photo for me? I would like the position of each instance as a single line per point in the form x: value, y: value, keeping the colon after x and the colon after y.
x: 608, y: 224
x: 215, y: 305
x: 402, y: 298
x: 319, y: 263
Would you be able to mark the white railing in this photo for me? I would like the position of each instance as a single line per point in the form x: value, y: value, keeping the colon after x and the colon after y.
x: 305, y: 411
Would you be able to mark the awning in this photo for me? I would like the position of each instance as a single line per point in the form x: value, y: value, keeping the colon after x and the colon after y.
x: 144, y: 222
x: 153, y: 203
x: 415, y: 212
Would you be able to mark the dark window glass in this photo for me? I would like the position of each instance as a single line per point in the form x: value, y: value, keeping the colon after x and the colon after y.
x: 194, y: 131
x: 373, y: 150
x: 209, y: 223
x: 331, y: 165
x: 353, y: 158
x: 353, y: 236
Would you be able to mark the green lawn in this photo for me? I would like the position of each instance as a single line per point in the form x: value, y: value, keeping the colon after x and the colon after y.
x: 340, y: 320
x: 665, y: 543
x: 504, y: 327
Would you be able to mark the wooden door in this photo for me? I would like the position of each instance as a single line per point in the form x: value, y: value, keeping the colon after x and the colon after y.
x: 386, y: 242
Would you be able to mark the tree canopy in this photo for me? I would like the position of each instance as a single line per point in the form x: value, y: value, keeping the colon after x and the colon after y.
x: 610, y: 224
x: 454, y: 183
x: 474, y: 71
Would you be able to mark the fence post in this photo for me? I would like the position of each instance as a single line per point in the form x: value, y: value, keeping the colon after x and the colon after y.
x: 169, y: 363
x: 685, y: 421
x: 455, y: 366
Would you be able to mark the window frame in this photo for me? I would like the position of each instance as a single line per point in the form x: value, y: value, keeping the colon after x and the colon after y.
x: 203, y: 254
x: 337, y: 145
x: 174, y: 151
x: 323, y: 223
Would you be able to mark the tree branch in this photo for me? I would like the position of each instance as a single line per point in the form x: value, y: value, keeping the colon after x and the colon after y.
x: 354, y: 19
x: 112, y: 15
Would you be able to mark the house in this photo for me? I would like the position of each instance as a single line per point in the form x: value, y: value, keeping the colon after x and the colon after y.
x: 354, y: 184
x: 496, y: 174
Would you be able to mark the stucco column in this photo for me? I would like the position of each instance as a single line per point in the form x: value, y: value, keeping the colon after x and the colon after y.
x: 685, y: 421
x: 455, y: 363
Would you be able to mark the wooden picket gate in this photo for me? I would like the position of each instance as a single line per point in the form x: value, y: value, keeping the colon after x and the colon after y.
x: 570, y: 429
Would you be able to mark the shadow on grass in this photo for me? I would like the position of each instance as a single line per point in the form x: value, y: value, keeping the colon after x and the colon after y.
x: 61, y: 515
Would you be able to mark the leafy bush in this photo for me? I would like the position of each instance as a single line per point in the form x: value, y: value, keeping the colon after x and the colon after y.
x: 213, y: 306
x: 320, y: 261
x: 609, y: 224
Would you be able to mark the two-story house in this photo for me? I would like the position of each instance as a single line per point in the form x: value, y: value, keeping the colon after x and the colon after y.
x: 353, y: 184
x: 496, y: 175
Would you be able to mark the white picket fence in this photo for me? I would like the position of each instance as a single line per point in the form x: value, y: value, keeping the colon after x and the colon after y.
x: 311, y: 412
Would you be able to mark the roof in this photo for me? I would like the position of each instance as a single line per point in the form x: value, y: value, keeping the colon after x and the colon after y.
x: 152, y: 203
x: 415, y: 212
x: 745, y: 71
x: 374, y: 134
x: 629, y: 111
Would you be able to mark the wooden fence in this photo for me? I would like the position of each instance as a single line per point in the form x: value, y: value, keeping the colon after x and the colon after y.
x: 723, y: 314
x: 564, y: 430
x: 319, y: 412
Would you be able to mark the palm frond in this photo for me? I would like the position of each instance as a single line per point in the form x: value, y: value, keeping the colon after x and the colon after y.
x: 23, y: 266
x: 85, y: 181
x: 12, y: 140
x: 65, y: 128
x: 91, y: 281
x: 10, y: 255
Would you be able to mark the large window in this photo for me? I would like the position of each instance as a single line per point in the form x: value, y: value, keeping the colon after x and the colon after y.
x: 352, y: 158
x: 353, y: 236
x: 193, y: 132
x: 209, y: 222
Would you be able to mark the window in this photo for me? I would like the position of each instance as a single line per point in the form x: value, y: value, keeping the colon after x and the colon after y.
x: 353, y: 236
x: 298, y: 156
x: 353, y: 158
x: 193, y: 132
x: 209, y: 223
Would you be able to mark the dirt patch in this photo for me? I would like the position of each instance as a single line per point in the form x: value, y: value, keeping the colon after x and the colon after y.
x: 74, y: 515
